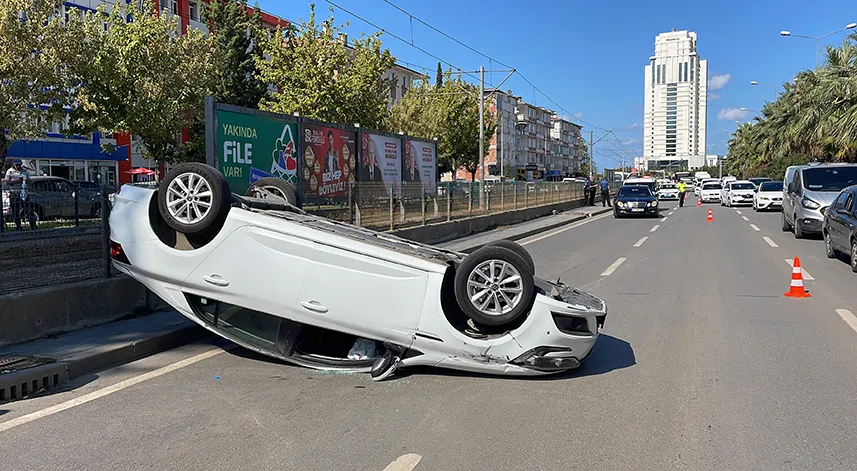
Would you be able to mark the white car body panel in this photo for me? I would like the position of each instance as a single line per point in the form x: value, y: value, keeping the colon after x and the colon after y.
x: 709, y: 194
x: 768, y: 199
x: 736, y: 196
x: 322, y: 273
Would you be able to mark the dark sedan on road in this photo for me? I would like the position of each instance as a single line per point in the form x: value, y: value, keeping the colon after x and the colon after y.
x: 840, y: 226
x: 635, y: 199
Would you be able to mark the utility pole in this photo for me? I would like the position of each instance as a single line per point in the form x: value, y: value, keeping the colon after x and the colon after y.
x: 502, y: 143
x: 482, y: 137
x: 591, y: 153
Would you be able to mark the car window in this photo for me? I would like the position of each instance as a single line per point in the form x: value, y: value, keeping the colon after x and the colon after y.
x: 63, y: 186
x: 829, y: 179
x: 840, y: 200
x: 712, y: 186
x: 741, y: 186
x: 44, y: 186
x: 771, y: 186
x: 635, y: 191
x: 848, y: 202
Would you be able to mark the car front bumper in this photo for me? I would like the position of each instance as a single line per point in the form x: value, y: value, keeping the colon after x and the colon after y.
x: 738, y: 201
x: 635, y: 211
x: 768, y: 203
x: 706, y: 198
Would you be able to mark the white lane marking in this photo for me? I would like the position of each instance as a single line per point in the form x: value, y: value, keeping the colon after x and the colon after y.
x: 568, y: 228
x: 641, y: 241
x: 404, y: 463
x: 806, y: 275
x: 613, y: 267
x: 670, y: 213
x: 745, y: 218
x: 739, y: 212
x: 663, y: 219
x: 755, y: 227
x: 770, y: 242
x: 4, y: 426
x: 655, y: 228
x: 848, y: 317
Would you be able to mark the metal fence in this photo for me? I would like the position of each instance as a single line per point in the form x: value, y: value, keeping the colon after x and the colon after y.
x: 63, y: 250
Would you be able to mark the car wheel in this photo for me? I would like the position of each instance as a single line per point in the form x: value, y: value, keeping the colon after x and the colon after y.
x: 854, y: 256
x: 518, y: 249
x: 96, y: 210
x: 494, y: 286
x: 194, y: 198
x: 273, y: 186
x: 786, y: 227
x: 828, y: 246
x: 796, y: 226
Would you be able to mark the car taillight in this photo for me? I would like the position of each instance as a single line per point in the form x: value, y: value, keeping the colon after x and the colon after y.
x: 117, y: 253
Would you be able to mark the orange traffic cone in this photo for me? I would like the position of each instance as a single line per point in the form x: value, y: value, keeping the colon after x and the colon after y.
x: 710, y: 215
x: 699, y: 201
x: 796, y: 289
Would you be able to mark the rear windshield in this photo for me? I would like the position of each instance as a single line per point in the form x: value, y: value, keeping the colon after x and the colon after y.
x: 712, y: 186
x: 635, y: 191
x: 667, y: 186
x: 771, y: 186
x: 742, y: 186
x: 829, y: 179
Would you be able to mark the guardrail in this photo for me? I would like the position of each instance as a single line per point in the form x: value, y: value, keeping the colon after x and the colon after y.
x: 65, y: 251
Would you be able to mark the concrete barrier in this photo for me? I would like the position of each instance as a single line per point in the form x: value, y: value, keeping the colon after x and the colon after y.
x: 440, y: 232
x: 32, y: 314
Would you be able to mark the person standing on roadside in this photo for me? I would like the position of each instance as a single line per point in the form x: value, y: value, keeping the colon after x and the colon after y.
x: 592, y: 189
x: 586, y: 186
x: 682, y: 187
x: 19, y: 201
x: 605, y: 192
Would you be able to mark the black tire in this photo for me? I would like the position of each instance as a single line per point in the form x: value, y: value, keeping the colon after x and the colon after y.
x: 218, y: 201
x: 518, y: 249
x: 616, y: 214
x: 469, y: 267
x: 786, y: 227
x: 828, y: 246
x: 95, y: 212
x: 796, y: 228
x: 278, y: 186
x: 854, y: 256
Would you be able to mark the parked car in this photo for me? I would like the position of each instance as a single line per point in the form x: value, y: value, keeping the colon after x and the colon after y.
x: 710, y: 192
x: 840, y: 226
x: 769, y: 195
x: 266, y: 275
x: 635, y: 200
x: 53, y: 197
x: 737, y: 192
x: 697, y: 189
x: 807, y: 192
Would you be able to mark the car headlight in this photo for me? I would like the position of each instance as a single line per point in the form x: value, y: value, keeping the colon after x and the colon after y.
x: 654, y: 203
x: 620, y: 204
x: 809, y: 204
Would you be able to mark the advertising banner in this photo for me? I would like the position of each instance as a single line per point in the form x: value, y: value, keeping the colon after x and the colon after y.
x: 381, y: 161
x: 251, y: 147
x: 329, y: 161
x: 420, y: 163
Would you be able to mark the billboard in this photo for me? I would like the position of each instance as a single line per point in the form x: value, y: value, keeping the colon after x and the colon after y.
x: 420, y: 162
x: 381, y: 160
x: 250, y: 147
x: 329, y: 160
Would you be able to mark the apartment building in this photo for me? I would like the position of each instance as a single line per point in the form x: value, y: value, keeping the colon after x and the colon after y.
x: 82, y: 158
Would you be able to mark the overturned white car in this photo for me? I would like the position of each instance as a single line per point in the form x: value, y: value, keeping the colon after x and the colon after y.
x: 264, y: 274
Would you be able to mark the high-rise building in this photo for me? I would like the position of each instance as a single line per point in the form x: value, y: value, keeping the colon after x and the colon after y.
x: 675, y: 102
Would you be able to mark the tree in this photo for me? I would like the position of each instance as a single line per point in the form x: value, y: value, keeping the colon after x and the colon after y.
x: 235, y: 37
x: 319, y: 76
x: 144, y: 78
x: 438, y: 81
x: 28, y: 78
x: 450, y: 113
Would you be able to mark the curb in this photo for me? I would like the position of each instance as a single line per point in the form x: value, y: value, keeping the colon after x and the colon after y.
x: 532, y: 232
x: 32, y: 382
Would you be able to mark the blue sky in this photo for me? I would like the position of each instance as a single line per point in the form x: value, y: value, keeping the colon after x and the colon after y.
x: 589, y: 56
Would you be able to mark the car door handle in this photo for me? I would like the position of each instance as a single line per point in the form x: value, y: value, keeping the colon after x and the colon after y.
x: 216, y: 280
x: 314, y: 306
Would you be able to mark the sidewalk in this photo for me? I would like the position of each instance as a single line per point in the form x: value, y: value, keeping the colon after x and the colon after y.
x: 62, y: 358
x: 526, y: 229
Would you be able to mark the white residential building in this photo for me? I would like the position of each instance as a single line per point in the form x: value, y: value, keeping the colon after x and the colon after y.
x: 676, y: 95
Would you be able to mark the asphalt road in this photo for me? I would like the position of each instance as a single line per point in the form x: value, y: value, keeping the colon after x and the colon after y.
x: 703, y: 364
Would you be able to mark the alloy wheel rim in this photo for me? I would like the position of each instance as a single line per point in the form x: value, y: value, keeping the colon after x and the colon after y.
x: 495, y: 287
x: 189, y: 198
x: 827, y: 244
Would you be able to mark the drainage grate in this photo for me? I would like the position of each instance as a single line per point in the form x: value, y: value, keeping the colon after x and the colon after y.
x: 24, y: 375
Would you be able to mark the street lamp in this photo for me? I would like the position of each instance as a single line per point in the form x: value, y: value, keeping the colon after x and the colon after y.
x: 817, y: 38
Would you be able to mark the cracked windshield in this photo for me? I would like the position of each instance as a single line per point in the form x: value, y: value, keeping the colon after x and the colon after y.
x: 400, y: 235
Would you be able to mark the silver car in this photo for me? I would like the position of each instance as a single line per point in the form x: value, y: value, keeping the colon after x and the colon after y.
x: 808, y: 190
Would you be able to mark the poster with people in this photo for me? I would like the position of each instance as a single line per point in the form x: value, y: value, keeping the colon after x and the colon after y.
x: 329, y: 161
x: 420, y: 164
x: 381, y: 161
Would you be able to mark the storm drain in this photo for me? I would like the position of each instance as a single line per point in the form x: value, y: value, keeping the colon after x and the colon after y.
x: 22, y: 376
